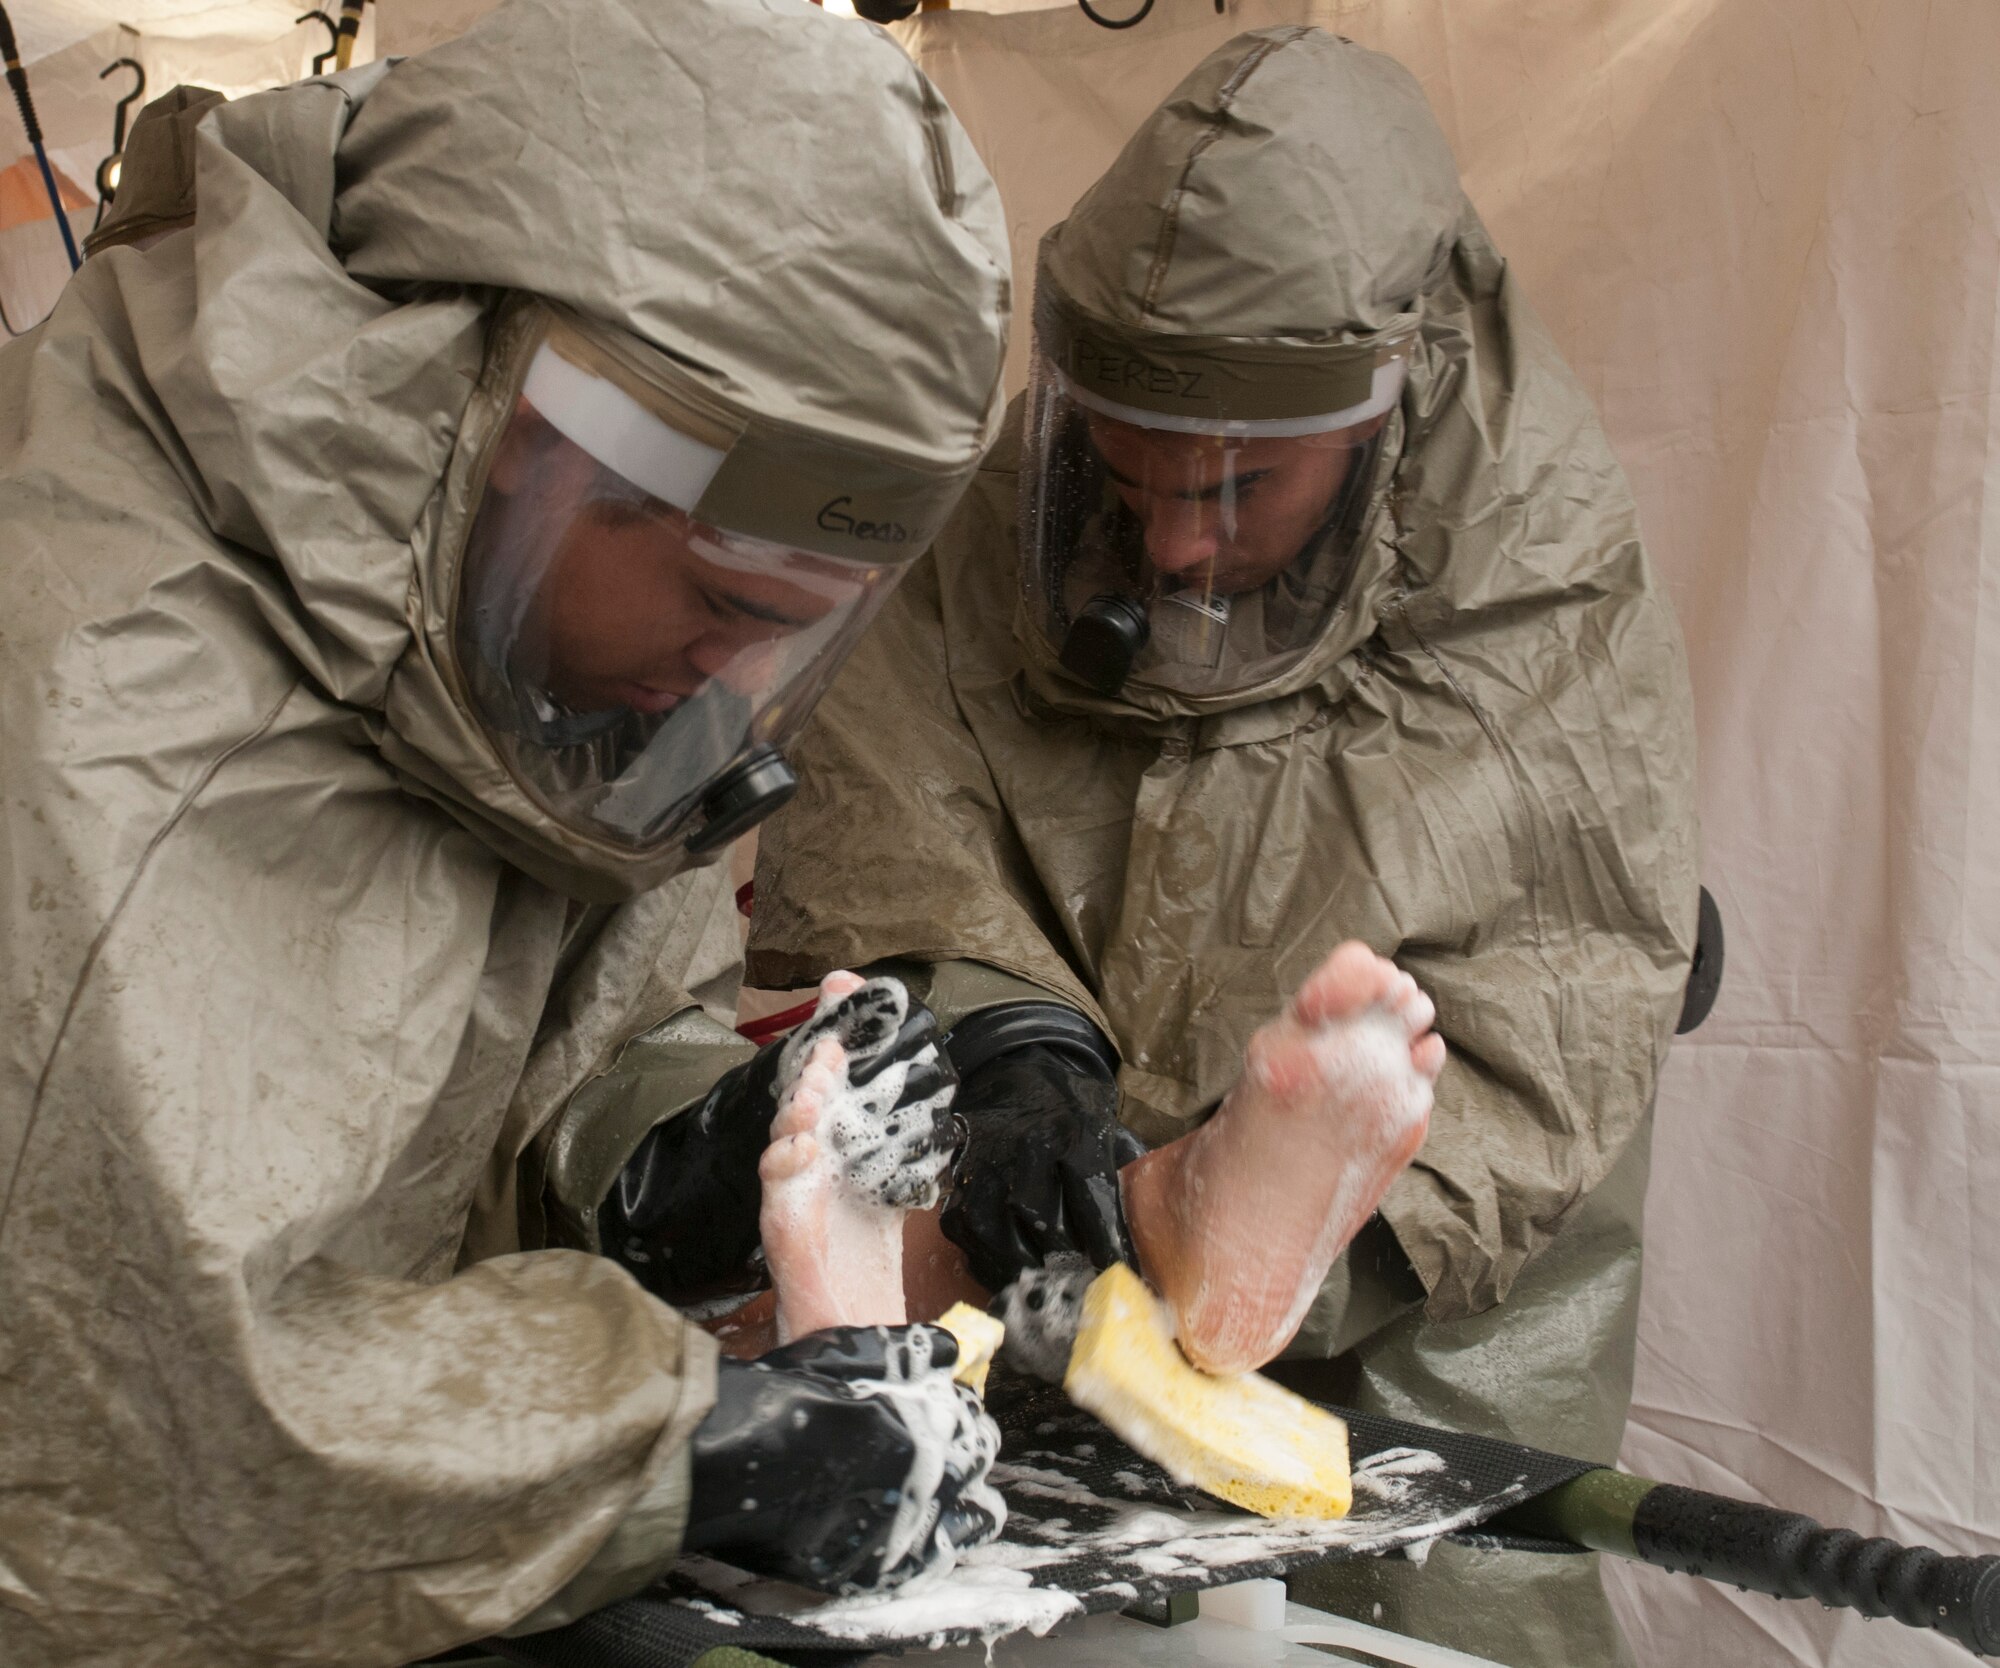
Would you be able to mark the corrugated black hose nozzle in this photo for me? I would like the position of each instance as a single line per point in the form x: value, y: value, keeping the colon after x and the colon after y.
x: 1790, y: 1556
x: 1767, y: 1550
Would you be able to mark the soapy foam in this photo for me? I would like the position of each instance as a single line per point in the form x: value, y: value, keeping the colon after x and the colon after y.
x: 1042, y: 1310
x: 719, y: 1614
x: 1386, y: 1475
x: 986, y: 1597
x: 988, y: 1601
x: 891, y: 1157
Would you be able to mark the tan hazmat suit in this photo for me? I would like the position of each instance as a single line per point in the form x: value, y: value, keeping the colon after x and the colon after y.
x: 1484, y: 768
x: 296, y: 975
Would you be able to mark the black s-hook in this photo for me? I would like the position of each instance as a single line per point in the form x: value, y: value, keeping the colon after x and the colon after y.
x: 1139, y: 16
x: 1104, y: 22
x: 107, y: 185
x: 332, y: 38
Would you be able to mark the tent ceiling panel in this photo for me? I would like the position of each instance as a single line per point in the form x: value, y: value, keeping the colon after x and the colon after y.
x: 46, y: 26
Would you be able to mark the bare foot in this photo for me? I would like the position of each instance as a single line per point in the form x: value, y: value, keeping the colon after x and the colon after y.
x: 844, y: 1167
x: 1237, y: 1223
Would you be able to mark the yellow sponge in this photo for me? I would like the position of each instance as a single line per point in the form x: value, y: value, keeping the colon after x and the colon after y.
x: 979, y: 1337
x: 1245, y: 1439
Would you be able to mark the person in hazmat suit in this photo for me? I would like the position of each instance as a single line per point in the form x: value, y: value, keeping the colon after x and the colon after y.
x: 1300, y: 601
x: 412, y: 572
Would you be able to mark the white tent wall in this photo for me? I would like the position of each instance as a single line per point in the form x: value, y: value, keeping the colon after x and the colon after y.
x: 1764, y: 232
x: 34, y: 266
x: 76, y: 104
x: 44, y: 27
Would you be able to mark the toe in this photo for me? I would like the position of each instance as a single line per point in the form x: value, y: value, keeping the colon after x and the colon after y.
x: 1350, y: 979
x: 798, y: 1114
x: 787, y: 1156
x: 1279, y: 1061
x: 1415, y: 1009
x: 802, y: 1104
x: 1427, y: 1055
x: 827, y: 1071
x: 836, y: 985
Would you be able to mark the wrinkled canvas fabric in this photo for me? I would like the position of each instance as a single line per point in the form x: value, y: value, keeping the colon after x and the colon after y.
x: 1484, y: 769
x: 296, y: 977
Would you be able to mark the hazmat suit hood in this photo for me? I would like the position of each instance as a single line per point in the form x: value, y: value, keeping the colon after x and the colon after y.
x: 330, y: 382
x: 1270, y: 235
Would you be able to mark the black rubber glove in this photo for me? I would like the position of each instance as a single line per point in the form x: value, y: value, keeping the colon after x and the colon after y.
x: 682, y: 1216
x: 847, y: 1461
x: 1038, y: 1176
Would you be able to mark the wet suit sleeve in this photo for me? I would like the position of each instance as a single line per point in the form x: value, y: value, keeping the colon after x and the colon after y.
x: 306, y: 1436
x: 1543, y: 1080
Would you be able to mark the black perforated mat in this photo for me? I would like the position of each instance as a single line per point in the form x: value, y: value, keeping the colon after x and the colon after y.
x: 1092, y: 1527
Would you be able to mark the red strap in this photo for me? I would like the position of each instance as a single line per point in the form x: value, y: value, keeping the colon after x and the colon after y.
x: 773, y: 1026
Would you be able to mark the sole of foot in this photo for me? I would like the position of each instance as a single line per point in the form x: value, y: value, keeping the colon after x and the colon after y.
x: 1238, y: 1223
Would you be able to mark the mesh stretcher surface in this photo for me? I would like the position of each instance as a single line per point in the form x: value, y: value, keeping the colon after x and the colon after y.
x: 1092, y: 1527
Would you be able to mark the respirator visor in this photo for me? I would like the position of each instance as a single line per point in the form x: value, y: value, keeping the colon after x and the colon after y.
x: 638, y: 660
x: 1191, y: 514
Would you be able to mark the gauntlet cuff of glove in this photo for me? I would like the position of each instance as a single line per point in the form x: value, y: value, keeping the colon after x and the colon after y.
x: 657, y: 1077
x: 1062, y: 1034
x: 682, y: 1215
x: 1038, y: 1178
x: 956, y: 988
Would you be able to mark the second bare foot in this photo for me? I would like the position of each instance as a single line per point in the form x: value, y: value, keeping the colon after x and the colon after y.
x: 1238, y: 1223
